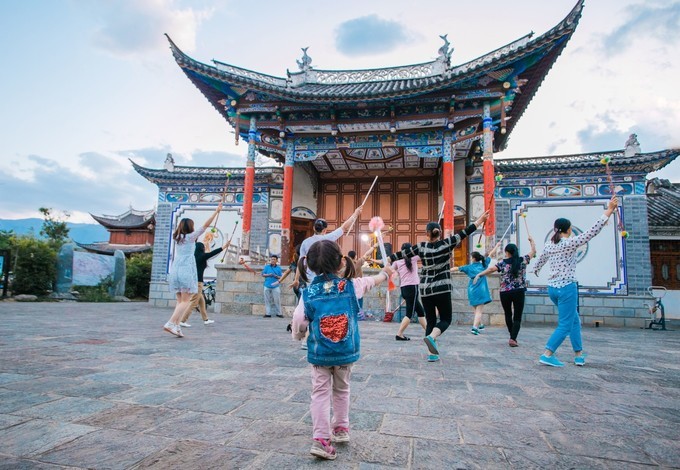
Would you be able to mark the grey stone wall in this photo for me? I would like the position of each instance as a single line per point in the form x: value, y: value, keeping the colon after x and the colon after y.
x: 259, y: 225
x: 161, y: 242
x: 638, y: 256
x: 239, y: 292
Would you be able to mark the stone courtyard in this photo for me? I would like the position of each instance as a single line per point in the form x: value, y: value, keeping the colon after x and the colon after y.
x: 102, y: 386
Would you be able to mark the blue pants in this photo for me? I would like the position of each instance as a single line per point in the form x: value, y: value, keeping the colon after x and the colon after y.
x: 568, y: 322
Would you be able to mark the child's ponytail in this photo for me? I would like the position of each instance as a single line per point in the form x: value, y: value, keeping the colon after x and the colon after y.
x: 302, y: 269
x: 350, y: 272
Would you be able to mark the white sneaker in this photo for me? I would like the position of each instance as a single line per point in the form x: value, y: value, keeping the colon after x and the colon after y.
x: 169, y: 327
x: 178, y: 332
x: 184, y: 324
x: 209, y: 322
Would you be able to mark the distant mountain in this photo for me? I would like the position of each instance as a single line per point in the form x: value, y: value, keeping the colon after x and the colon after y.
x: 81, y: 233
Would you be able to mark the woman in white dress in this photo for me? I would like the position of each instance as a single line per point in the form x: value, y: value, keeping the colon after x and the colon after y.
x: 183, y: 277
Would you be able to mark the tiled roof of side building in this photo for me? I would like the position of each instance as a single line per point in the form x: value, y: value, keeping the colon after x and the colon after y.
x: 663, y: 204
x: 208, y: 175
x: 130, y: 219
x: 585, y: 164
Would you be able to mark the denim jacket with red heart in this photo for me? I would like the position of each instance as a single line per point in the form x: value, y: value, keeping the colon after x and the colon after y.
x: 332, y: 310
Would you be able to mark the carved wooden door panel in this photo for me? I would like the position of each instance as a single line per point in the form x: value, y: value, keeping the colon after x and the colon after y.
x: 405, y: 205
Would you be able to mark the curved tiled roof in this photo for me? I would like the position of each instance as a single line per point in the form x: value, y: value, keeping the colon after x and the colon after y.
x: 663, y: 205
x: 368, y: 85
x: 584, y: 164
x: 208, y: 175
x: 531, y: 58
x: 130, y: 219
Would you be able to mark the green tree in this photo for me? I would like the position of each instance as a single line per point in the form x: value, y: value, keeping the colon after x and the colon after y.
x: 54, y: 228
x: 36, y: 267
x: 138, y: 276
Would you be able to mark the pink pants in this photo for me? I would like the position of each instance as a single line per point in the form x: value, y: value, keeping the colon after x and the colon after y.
x: 330, y: 383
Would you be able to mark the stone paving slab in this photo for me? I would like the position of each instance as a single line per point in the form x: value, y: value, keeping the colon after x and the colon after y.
x: 102, y: 386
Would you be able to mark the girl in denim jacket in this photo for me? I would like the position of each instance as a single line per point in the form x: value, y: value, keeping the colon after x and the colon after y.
x: 329, y: 309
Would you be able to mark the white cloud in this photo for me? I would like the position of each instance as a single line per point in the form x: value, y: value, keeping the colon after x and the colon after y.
x: 134, y: 27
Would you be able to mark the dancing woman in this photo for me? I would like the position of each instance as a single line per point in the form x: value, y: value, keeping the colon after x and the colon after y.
x: 513, y: 271
x: 435, y: 278
x: 562, y: 284
x: 183, y: 277
x: 478, y: 292
x: 408, y: 283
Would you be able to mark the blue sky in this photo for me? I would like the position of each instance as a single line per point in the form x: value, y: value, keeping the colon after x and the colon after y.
x: 89, y: 84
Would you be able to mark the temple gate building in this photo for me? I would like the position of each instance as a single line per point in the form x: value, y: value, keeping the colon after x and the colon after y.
x: 130, y: 232
x: 429, y: 132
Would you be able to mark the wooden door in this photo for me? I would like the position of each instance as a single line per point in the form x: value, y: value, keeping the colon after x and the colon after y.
x: 299, y: 230
x: 405, y: 205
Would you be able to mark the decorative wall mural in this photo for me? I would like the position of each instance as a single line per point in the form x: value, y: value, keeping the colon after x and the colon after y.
x: 177, y: 197
x: 600, y: 269
x: 223, y: 230
x: 564, y: 191
x: 303, y: 212
x: 516, y: 193
x: 621, y: 189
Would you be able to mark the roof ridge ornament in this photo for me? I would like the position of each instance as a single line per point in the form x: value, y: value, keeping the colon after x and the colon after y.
x: 632, y: 146
x: 445, y: 51
x: 306, y: 63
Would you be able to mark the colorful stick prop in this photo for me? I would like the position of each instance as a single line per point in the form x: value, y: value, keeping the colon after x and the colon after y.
x: 605, y: 161
x: 362, y: 204
x: 224, y: 194
x: 230, y: 239
x: 243, y: 263
x: 526, y: 225
x: 375, y: 225
x: 507, y: 230
x: 479, y: 239
x: 441, y: 212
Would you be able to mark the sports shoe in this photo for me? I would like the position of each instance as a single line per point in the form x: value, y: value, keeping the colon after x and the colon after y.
x: 178, y: 332
x: 474, y: 331
x: 340, y: 434
x: 279, y: 316
x: 209, y: 322
x: 481, y: 326
x: 580, y: 360
x: 512, y: 343
x: 431, y: 345
x: 170, y: 328
x: 304, y: 346
x: 184, y: 324
x: 550, y: 361
x: 266, y: 316
x: 433, y: 358
x: 323, y: 449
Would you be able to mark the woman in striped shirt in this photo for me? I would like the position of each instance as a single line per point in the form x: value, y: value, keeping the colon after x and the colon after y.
x: 435, y: 278
x: 562, y: 285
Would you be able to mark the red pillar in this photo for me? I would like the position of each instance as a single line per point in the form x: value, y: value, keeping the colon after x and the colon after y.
x: 448, y: 192
x: 287, y: 208
x: 489, y: 178
x: 249, y: 183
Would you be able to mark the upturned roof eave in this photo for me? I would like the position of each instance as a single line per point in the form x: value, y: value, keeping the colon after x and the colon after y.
x: 588, y: 163
x: 440, y: 82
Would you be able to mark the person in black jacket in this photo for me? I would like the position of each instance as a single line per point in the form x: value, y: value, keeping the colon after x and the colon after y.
x: 202, y: 256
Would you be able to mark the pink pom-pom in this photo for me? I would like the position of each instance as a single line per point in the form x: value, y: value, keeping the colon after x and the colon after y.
x: 376, y: 224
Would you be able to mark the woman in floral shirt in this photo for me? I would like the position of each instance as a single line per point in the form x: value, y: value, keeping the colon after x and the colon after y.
x: 513, y: 270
